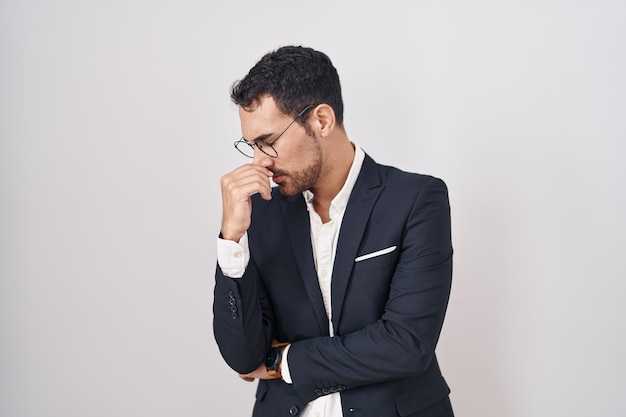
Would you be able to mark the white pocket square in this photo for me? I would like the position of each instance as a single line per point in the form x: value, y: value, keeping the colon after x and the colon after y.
x: 374, y: 254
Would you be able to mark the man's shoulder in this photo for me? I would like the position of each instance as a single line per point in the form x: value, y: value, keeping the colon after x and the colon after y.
x: 397, y: 178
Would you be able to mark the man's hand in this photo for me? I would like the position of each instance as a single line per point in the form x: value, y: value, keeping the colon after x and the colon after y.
x: 260, y: 373
x: 237, y: 187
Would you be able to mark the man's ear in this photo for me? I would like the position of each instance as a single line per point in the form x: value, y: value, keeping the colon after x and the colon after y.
x: 323, y: 119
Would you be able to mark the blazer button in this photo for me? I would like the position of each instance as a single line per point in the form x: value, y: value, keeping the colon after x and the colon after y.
x: 325, y: 391
x: 341, y: 387
x: 293, y: 410
x: 235, y: 315
x: 318, y: 392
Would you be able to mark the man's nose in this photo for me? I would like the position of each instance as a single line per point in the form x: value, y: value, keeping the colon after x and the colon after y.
x: 261, y: 158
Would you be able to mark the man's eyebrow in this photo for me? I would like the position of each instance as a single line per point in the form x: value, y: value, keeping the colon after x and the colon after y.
x: 260, y: 138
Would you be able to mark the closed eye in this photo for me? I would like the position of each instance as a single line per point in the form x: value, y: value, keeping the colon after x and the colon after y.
x: 261, y: 141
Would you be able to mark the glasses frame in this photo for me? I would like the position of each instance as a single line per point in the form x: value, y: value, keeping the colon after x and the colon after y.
x: 266, y: 147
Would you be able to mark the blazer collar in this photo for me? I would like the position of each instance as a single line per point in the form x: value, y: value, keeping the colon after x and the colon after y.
x: 366, y: 190
x: 364, y: 195
x: 298, y: 227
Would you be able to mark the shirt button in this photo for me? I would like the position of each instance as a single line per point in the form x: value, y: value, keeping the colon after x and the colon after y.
x: 238, y: 255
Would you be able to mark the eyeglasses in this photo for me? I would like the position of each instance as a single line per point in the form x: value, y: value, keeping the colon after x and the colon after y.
x: 247, y: 148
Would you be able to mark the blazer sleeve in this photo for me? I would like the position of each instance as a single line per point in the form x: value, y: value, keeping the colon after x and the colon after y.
x: 402, y: 342
x: 243, y: 322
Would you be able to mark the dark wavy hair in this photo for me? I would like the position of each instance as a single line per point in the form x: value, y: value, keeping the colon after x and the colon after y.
x: 296, y: 77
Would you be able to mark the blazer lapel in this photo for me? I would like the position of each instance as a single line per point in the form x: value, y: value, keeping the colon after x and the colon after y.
x: 362, y: 199
x: 298, y: 228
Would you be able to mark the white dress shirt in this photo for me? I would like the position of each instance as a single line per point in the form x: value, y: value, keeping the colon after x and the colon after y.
x: 233, y: 258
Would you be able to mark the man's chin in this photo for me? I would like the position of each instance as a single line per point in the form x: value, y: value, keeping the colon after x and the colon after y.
x: 287, y: 190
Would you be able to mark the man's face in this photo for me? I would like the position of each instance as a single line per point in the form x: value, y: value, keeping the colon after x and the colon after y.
x: 299, y: 163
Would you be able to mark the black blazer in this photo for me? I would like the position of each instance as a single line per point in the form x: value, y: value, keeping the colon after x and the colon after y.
x: 387, y: 310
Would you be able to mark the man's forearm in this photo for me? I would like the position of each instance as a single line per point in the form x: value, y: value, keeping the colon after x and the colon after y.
x: 242, y: 320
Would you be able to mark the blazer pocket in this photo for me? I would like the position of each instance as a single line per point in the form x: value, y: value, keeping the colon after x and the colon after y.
x: 375, y: 254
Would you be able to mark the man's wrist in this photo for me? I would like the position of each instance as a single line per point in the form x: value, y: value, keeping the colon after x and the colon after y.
x: 234, y: 236
x: 233, y: 257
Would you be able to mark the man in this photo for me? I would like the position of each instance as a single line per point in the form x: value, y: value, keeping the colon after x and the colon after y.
x: 331, y: 288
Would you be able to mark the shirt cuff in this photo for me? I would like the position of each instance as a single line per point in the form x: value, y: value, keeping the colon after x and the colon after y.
x: 284, y: 366
x: 233, y: 257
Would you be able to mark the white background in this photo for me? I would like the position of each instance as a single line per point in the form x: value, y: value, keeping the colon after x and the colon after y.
x: 116, y: 124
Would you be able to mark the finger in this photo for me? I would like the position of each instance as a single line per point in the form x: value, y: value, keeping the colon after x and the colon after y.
x: 246, y: 173
x: 251, y: 167
x: 241, y: 189
x: 247, y: 183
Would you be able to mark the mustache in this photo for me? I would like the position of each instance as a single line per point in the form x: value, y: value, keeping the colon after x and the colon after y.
x: 278, y: 172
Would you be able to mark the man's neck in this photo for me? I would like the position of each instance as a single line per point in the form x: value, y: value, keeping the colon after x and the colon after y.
x: 335, y: 176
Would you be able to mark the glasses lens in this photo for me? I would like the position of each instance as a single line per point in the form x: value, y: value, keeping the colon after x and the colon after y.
x: 267, y: 149
x: 245, y: 148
